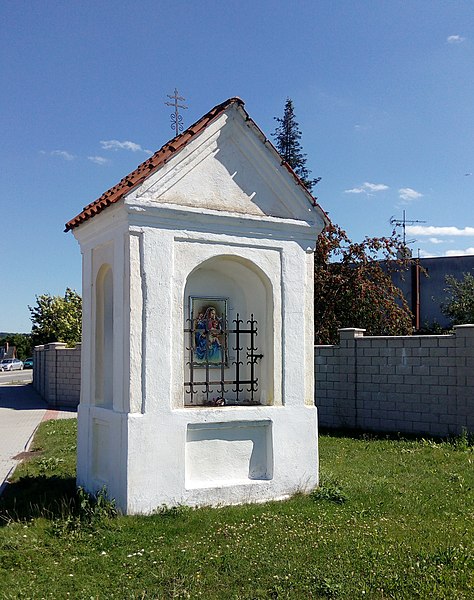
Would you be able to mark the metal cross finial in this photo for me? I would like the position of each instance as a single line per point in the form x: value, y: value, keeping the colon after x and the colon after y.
x: 176, y: 118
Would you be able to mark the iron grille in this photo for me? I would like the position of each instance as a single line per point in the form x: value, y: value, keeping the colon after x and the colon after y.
x: 230, y: 380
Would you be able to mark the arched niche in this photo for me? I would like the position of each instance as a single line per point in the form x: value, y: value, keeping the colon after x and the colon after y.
x: 104, y: 337
x: 245, y: 290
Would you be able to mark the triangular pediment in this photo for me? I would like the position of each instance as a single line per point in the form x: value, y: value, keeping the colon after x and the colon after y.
x: 223, y: 162
x: 230, y: 167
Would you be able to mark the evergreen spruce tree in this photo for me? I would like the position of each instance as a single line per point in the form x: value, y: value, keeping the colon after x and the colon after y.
x: 350, y: 287
x: 287, y: 137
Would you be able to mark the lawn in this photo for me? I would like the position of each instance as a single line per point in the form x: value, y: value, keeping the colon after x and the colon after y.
x: 393, y: 518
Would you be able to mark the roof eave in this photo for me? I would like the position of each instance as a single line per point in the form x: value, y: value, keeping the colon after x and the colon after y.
x: 150, y: 166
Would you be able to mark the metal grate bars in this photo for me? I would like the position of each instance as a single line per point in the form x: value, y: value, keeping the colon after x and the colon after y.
x: 228, y: 387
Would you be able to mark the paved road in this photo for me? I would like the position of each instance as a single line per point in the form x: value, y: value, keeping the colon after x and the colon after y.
x: 25, y: 376
x: 21, y: 411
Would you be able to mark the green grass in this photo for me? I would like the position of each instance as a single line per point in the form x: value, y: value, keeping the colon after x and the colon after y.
x: 44, y: 485
x: 392, y: 519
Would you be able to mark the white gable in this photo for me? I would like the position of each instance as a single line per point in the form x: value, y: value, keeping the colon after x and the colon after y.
x: 214, y: 248
x: 230, y: 167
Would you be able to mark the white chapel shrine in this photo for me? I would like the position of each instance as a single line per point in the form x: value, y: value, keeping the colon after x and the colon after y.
x: 197, y: 353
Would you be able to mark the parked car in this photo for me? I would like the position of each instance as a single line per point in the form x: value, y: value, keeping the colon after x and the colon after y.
x: 28, y: 363
x: 11, y: 364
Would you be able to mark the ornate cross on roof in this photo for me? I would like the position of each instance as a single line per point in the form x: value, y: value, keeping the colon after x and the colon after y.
x: 176, y: 118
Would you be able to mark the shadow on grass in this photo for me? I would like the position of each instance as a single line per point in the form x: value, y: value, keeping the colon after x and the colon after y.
x: 364, y: 434
x: 40, y: 496
x: 464, y: 439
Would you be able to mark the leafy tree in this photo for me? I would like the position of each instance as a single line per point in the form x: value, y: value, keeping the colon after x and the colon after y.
x: 287, y: 137
x: 22, y: 343
x: 353, y: 288
x: 57, y: 318
x: 459, y: 304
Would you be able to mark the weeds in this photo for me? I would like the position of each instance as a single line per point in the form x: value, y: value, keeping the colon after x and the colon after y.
x: 49, y: 464
x: 464, y: 442
x: 97, y: 507
x: 86, y: 511
x: 172, y: 511
x: 329, y: 489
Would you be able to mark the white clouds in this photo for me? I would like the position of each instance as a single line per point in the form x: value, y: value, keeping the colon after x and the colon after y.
x: 127, y: 145
x: 98, y: 160
x: 436, y: 234
x: 405, y: 194
x: 95, y: 158
x: 354, y: 191
x: 64, y: 154
x: 367, y: 188
x: 466, y: 252
x: 409, y: 194
x: 361, y: 128
x: 425, y: 254
x: 376, y: 187
x: 455, y: 39
x: 427, y: 230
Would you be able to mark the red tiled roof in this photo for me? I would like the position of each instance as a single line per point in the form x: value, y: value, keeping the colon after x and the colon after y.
x: 158, y: 159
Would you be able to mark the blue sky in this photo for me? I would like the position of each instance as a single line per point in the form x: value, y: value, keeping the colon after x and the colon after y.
x: 383, y: 92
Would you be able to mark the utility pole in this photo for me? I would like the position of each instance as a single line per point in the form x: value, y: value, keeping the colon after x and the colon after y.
x: 176, y: 118
x: 415, y: 270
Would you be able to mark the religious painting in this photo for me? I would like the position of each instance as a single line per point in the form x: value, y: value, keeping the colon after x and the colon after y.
x: 209, y: 318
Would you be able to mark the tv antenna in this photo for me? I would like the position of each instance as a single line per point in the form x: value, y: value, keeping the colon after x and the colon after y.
x: 403, y: 223
x: 176, y: 118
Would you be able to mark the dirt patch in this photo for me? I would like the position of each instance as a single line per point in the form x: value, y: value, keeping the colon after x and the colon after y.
x: 27, y: 455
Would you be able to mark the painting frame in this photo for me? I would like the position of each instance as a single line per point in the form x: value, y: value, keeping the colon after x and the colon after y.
x: 208, y: 318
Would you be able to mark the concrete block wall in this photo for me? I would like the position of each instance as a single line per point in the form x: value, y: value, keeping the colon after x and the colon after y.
x: 57, y: 374
x: 407, y: 384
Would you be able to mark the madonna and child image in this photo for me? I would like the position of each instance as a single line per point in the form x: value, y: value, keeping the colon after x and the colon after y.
x: 209, y: 317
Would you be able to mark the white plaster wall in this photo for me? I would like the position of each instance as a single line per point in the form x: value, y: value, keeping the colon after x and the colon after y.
x: 145, y: 450
x: 162, y: 479
x: 134, y: 343
x: 257, y: 237
x: 102, y: 452
x: 102, y: 435
x: 228, y: 453
x: 172, y: 264
x: 104, y: 338
x: 102, y: 263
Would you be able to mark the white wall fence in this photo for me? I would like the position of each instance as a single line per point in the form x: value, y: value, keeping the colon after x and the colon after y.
x: 410, y: 384
x: 57, y: 374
